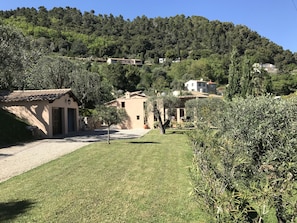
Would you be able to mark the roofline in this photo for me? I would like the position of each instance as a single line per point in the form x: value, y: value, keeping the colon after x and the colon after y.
x: 58, y: 92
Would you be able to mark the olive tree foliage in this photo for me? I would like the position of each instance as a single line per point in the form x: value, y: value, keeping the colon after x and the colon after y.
x: 11, y: 44
x: 163, y: 107
x: 89, y: 88
x: 109, y: 115
x: 204, y: 111
x: 245, y: 169
x: 18, y: 55
x: 58, y: 72
x: 51, y: 72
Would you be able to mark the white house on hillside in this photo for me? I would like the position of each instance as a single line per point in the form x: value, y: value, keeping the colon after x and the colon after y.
x: 270, y: 68
x: 124, y: 61
x: 201, y: 86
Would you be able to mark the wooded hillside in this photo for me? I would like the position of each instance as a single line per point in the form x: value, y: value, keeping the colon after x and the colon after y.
x: 203, y: 46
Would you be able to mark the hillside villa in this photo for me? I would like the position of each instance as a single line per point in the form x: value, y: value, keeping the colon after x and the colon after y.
x: 201, y: 86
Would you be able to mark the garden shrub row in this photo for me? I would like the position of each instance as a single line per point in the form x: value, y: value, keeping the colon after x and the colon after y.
x: 245, y: 169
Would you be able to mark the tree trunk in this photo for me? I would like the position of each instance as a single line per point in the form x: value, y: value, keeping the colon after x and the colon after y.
x: 162, y: 129
x: 161, y: 126
x: 108, y: 134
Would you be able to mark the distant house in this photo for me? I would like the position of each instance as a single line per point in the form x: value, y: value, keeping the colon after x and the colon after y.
x: 124, y: 61
x: 162, y: 60
x: 140, y: 115
x: 53, y: 112
x: 201, y: 86
x: 270, y: 68
x: 135, y: 105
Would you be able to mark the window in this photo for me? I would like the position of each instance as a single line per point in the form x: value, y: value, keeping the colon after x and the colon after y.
x: 137, y: 117
x: 123, y: 104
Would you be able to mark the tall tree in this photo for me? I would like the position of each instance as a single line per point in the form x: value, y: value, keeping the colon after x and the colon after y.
x: 51, y: 72
x: 233, y: 87
x: 12, y: 45
x: 246, y: 77
x: 89, y: 88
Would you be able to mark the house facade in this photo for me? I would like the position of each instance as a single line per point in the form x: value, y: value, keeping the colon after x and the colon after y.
x: 135, y: 104
x: 201, y: 86
x: 141, y: 113
x: 124, y: 61
x: 53, y: 112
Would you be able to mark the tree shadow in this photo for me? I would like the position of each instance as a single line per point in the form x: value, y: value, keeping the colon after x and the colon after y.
x: 5, y: 155
x: 5, y: 146
x: 10, y: 210
x: 178, y: 131
x: 145, y: 142
x: 89, y: 133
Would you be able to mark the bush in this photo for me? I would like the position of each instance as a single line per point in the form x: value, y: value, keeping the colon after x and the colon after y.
x: 245, y: 169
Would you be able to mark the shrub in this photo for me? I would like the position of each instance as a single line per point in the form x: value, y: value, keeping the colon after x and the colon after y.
x: 246, y: 168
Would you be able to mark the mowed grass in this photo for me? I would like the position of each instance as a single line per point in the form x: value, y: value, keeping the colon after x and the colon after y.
x: 139, y: 180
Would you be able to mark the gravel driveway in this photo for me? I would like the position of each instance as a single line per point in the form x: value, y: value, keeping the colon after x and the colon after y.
x: 18, y: 159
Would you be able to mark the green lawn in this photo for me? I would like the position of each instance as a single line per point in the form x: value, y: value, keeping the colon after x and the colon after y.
x: 140, y: 180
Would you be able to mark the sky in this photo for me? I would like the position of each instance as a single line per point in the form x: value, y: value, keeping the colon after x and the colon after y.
x: 275, y: 20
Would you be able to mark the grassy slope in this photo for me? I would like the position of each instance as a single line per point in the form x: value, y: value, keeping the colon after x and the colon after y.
x: 12, y: 129
x: 141, y: 180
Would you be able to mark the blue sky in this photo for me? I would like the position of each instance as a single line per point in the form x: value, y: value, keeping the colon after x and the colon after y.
x: 273, y: 19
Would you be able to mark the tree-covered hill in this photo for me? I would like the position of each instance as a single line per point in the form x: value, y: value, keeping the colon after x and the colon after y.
x: 36, y: 45
x: 73, y: 33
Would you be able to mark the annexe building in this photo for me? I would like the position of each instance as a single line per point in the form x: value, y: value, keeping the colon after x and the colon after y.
x: 135, y: 105
x: 141, y: 114
x: 53, y: 112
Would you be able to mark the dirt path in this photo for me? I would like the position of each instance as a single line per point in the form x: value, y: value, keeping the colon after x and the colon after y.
x: 18, y: 159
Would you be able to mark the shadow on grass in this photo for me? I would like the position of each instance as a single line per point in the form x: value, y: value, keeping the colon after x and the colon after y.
x: 12, y: 209
x: 145, y: 142
x: 89, y: 133
x: 181, y: 131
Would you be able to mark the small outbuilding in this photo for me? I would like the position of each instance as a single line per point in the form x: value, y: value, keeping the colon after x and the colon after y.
x: 135, y: 105
x: 52, y: 112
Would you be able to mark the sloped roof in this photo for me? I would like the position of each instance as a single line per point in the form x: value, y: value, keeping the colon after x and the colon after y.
x: 128, y: 95
x: 135, y: 93
x: 35, y: 95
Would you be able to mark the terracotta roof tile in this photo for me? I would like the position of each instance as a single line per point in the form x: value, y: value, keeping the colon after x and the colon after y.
x: 34, y: 95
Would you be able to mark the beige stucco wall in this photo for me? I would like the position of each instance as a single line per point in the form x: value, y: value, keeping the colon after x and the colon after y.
x: 39, y: 113
x: 64, y: 102
x: 136, y: 112
x: 134, y: 107
x: 36, y: 113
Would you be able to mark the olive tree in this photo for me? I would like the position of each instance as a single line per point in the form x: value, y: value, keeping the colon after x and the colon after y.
x: 160, y: 105
x: 18, y: 56
x: 89, y: 88
x: 246, y: 169
x: 51, y: 72
x: 204, y: 111
x: 109, y: 115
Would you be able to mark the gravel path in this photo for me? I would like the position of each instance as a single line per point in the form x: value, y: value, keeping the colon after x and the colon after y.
x: 18, y: 159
